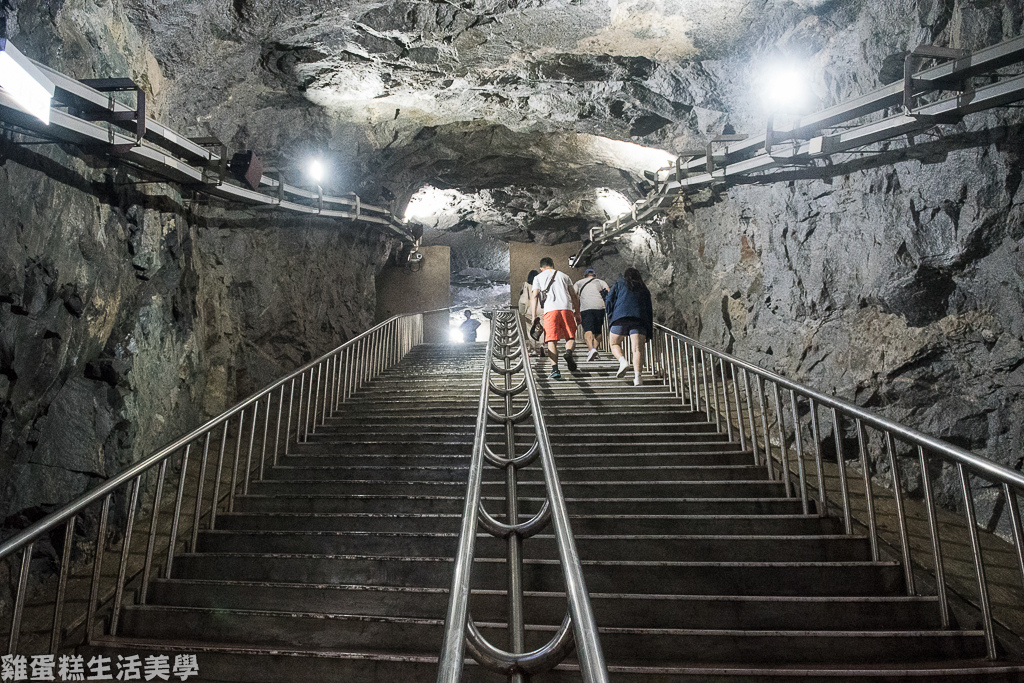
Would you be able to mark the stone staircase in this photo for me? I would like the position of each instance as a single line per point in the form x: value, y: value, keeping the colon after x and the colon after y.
x: 700, y: 568
x: 337, y: 565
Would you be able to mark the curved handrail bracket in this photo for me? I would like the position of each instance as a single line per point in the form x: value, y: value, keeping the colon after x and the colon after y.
x: 506, y: 357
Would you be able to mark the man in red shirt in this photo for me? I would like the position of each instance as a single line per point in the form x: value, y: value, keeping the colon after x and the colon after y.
x: 561, y: 307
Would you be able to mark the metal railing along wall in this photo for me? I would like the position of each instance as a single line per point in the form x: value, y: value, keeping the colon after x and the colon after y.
x: 507, y: 358
x: 829, y: 132
x: 745, y: 399
x: 243, y: 441
x: 94, y: 120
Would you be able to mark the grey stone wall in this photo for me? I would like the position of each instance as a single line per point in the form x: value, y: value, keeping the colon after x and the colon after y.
x: 126, y: 319
x: 130, y: 312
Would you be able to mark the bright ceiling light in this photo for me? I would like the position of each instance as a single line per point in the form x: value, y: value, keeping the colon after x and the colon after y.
x: 613, y: 203
x: 24, y: 86
x: 784, y: 88
x: 315, y: 170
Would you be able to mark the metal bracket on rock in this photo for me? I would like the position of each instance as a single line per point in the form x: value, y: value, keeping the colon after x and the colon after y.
x: 111, y: 115
x: 912, y: 87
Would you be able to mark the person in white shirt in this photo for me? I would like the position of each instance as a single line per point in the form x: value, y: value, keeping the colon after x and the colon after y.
x: 560, y: 307
x: 591, y: 292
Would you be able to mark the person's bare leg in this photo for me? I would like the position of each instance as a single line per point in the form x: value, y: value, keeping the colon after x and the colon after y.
x: 616, y: 343
x: 553, y: 353
x: 589, y: 337
x: 638, y: 341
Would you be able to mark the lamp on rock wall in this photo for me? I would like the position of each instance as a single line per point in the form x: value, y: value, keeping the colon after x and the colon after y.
x: 22, y: 85
x: 315, y: 170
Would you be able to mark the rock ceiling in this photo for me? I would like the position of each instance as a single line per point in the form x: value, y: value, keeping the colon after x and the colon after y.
x: 555, y: 98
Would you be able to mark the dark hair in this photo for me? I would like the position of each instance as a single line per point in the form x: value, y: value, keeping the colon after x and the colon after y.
x: 633, y: 280
x: 547, y: 262
x: 533, y: 274
x: 469, y: 312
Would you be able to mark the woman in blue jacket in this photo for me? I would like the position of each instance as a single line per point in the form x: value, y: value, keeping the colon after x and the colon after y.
x: 629, y: 309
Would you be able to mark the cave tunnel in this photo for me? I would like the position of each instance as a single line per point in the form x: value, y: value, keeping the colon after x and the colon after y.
x: 245, y: 434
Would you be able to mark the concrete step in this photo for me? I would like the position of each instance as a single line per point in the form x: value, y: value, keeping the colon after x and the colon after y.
x: 620, y: 609
x: 351, y: 521
x: 375, y: 459
x: 623, y: 644
x: 458, y: 474
x: 688, y: 578
x: 583, y: 489
x: 739, y: 548
x: 413, y: 504
x: 592, y: 524
x: 458, y: 445
x: 388, y: 461
x: 673, y: 473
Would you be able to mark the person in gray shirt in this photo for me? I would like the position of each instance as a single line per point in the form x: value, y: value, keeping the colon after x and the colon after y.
x: 591, y: 292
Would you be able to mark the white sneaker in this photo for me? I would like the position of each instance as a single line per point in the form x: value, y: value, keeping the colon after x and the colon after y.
x: 637, y: 380
x: 623, y: 366
x: 592, y: 355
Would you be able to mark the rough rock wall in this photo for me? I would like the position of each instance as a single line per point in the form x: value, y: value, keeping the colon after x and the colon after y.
x: 127, y: 313
x: 125, y: 319
x: 898, y: 283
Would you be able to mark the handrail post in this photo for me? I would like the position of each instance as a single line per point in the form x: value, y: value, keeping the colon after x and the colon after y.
x: 869, y: 496
x: 819, y: 461
x: 933, y: 527
x: 979, y: 564
x: 725, y: 397
x: 750, y: 417
x: 739, y: 410
x: 62, y: 584
x: 798, y: 437
x: 901, y: 517
x: 764, y: 427
x: 783, y: 446
x: 19, y: 598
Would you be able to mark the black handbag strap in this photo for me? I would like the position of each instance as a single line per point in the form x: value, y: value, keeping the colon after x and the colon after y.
x: 551, y: 282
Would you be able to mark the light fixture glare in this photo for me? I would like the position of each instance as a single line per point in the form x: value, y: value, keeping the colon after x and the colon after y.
x: 24, y: 85
x: 784, y: 88
x: 614, y: 204
x: 315, y: 169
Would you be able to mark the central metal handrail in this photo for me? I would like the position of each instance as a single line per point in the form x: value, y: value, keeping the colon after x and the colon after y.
x: 748, y: 401
x: 507, y: 357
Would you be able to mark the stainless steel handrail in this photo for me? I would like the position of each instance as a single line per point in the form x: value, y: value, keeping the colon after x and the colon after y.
x: 507, y: 346
x: 324, y: 384
x: 736, y: 387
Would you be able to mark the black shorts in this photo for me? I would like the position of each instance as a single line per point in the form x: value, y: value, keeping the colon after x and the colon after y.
x: 593, y: 320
